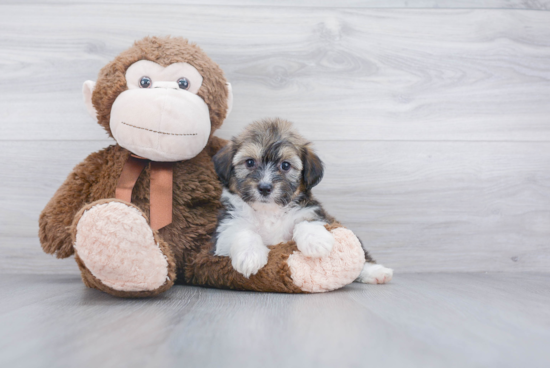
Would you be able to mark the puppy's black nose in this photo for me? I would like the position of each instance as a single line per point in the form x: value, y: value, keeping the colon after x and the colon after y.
x: 265, y: 189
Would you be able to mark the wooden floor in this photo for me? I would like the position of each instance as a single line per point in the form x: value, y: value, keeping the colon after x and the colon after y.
x: 420, y: 320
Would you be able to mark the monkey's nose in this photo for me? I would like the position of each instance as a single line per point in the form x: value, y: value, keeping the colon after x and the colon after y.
x: 265, y: 189
x: 168, y: 85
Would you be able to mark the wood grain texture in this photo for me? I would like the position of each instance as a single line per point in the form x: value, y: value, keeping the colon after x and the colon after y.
x: 438, y: 4
x: 434, y: 123
x: 419, y: 206
x: 427, y: 320
x: 23, y: 255
x: 340, y: 73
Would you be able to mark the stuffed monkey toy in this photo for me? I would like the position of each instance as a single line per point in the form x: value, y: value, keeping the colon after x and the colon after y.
x: 139, y: 215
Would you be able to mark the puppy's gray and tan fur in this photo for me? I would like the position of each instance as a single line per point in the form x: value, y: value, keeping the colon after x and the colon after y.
x: 268, y: 172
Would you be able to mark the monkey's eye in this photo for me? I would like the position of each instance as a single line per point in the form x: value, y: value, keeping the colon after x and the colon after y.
x: 183, y: 83
x: 145, y: 82
x: 250, y: 163
x: 285, y: 166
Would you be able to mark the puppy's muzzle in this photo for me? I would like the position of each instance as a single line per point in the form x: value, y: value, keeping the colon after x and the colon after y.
x: 265, y: 189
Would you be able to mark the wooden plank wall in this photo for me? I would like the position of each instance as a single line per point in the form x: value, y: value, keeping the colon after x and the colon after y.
x: 433, y: 117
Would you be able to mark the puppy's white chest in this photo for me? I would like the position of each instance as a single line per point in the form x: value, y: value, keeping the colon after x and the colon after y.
x: 273, y: 223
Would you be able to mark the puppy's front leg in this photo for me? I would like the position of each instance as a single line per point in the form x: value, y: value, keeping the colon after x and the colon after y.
x: 248, y: 252
x: 313, y: 239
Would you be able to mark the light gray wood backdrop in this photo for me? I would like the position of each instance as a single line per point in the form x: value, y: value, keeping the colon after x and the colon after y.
x: 434, y: 122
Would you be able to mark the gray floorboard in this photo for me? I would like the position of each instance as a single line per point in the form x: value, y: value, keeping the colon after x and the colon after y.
x: 420, y: 320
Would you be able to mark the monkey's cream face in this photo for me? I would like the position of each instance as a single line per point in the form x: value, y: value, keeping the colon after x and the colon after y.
x: 160, y: 116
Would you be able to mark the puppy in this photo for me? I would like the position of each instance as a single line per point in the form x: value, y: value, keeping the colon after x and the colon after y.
x: 268, y: 172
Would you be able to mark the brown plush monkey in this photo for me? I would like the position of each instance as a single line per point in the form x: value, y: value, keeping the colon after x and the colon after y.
x: 139, y: 215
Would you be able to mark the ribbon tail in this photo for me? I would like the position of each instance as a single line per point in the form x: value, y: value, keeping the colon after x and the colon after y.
x: 128, y: 177
x: 161, y: 194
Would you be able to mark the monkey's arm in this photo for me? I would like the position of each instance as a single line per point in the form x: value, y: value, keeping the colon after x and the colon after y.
x: 57, y: 216
x: 287, y: 270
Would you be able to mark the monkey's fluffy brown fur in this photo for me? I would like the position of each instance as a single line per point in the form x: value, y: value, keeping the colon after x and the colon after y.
x: 196, y: 194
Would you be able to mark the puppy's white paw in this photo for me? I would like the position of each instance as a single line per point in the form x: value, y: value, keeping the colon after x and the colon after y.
x: 375, y: 274
x: 248, y: 254
x: 313, y: 239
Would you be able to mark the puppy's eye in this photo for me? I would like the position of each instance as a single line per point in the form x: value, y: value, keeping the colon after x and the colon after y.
x: 250, y: 163
x: 183, y: 83
x: 285, y: 166
x: 145, y: 82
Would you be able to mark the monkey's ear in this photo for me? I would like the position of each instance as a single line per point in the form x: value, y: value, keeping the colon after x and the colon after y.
x: 223, y: 163
x: 313, y: 168
x: 229, y: 99
x: 87, y: 91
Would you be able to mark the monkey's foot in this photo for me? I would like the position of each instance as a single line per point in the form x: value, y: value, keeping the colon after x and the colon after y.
x: 119, y: 253
x: 341, y: 267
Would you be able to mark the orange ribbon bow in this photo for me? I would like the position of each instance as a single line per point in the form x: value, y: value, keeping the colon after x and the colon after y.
x: 160, y: 188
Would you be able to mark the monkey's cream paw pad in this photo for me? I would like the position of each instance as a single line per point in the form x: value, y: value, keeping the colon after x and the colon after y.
x: 118, y: 247
x: 341, y: 267
x: 375, y: 274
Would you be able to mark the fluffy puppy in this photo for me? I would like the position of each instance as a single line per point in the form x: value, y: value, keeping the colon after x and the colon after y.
x: 268, y: 172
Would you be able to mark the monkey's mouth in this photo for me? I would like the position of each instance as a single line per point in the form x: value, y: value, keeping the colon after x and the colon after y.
x: 156, y: 131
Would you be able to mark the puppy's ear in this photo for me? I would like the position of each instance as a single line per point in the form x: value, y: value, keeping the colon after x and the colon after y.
x: 313, y: 168
x: 223, y: 163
